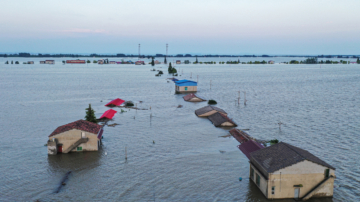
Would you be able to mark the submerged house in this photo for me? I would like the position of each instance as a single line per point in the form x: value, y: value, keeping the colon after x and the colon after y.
x: 209, y: 110
x: 221, y: 120
x: 108, y: 115
x: 284, y: 171
x: 193, y: 98
x: 271, y: 62
x: 178, y: 61
x: 139, y: 63
x: 50, y: 62
x: 240, y: 135
x: 115, y: 103
x: 75, y: 61
x: 77, y: 136
x: 185, y: 86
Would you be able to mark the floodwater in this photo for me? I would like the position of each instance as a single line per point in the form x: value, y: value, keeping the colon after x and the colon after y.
x: 319, y: 107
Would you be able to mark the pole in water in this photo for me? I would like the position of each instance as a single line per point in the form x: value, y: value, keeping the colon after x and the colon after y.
x: 125, y: 153
x: 239, y: 98
x: 210, y: 84
x: 191, y: 75
x: 197, y: 81
x: 245, y: 98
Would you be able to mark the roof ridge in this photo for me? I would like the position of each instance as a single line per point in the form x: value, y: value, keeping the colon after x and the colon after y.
x: 286, y: 144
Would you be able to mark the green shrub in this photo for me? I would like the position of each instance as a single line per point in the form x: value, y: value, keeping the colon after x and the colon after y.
x: 212, y: 102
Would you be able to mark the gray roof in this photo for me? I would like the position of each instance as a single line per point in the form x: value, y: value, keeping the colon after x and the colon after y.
x: 207, y: 109
x: 217, y: 119
x: 282, y: 155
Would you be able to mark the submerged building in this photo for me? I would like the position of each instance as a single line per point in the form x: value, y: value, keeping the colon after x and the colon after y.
x: 221, y: 120
x: 185, y: 86
x: 209, y: 110
x: 283, y: 171
x: 193, y: 98
x: 77, y: 136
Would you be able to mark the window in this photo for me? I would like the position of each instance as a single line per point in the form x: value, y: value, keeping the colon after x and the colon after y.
x: 185, y: 88
x: 327, y: 172
x: 257, y: 180
x: 252, y: 173
x: 79, y: 149
x: 272, y: 190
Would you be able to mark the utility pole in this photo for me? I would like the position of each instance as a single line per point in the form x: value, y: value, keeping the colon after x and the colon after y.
x: 165, y: 62
x: 139, y: 52
x: 210, y: 84
x: 245, y: 98
x: 239, y: 98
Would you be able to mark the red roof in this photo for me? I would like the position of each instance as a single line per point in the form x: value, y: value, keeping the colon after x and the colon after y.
x: 240, y: 135
x: 109, y: 114
x: 249, y: 146
x: 80, y: 125
x: 116, y: 102
x: 189, y: 96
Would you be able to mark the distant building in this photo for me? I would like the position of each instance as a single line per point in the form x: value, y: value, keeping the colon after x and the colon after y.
x: 100, y: 62
x: 77, y: 136
x: 284, y: 171
x: 112, y: 62
x: 42, y: 62
x: 193, y: 98
x: 30, y: 62
x: 75, y: 61
x: 221, y: 120
x: 157, y: 62
x: 139, y: 63
x: 271, y: 62
x: 178, y: 61
x: 50, y: 62
x: 208, y: 111
x: 185, y: 86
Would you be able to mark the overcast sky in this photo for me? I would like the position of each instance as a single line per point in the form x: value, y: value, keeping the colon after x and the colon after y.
x: 188, y: 26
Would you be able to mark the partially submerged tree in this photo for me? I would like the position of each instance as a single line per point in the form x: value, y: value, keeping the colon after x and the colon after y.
x: 90, y: 114
x: 152, y: 62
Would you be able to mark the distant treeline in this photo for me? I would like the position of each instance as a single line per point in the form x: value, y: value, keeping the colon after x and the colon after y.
x: 162, y: 55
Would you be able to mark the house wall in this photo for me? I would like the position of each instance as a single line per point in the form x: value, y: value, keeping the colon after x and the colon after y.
x: 306, y: 173
x: 263, y: 182
x: 211, y: 113
x: 70, y: 137
x: 182, y: 88
x: 225, y: 124
x: 195, y: 99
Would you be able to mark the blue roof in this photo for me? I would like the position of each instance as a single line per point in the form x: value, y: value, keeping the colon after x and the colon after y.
x: 185, y: 83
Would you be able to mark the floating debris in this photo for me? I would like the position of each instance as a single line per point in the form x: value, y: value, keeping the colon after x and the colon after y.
x: 221, y: 151
x: 113, y: 125
x: 180, y: 106
x: 63, y: 182
x: 226, y: 135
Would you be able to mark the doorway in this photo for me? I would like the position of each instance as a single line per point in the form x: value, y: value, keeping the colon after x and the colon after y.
x: 297, y: 193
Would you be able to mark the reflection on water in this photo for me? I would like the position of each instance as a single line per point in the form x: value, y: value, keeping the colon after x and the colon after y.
x: 319, y: 109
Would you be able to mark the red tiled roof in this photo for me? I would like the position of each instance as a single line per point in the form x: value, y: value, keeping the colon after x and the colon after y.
x: 189, y: 96
x: 240, y: 135
x: 80, y: 125
x: 249, y: 146
x: 109, y: 114
x: 116, y: 102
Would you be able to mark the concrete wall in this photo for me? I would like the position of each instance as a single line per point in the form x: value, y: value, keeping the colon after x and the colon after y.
x: 210, y: 113
x: 306, y: 173
x: 263, y: 182
x: 52, y: 147
x: 195, y: 99
x: 69, y: 137
x: 227, y: 124
x: 181, y: 89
